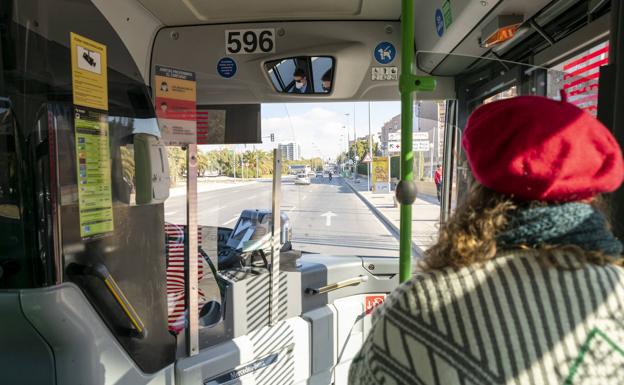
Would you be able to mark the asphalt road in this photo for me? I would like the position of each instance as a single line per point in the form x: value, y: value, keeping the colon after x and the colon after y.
x: 326, y: 217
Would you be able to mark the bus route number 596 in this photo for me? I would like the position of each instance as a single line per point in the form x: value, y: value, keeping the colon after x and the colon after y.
x: 249, y: 41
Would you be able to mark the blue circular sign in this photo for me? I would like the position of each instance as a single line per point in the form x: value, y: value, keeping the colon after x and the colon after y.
x: 226, y: 67
x: 439, y: 22
x: 384, y: 52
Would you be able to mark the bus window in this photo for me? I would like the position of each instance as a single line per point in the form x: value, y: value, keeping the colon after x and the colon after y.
x: 484, y: 80
x: 578, y: 77
x: 14, y: 270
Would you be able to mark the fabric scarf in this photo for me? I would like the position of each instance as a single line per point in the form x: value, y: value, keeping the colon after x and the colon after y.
x: 566, y: 224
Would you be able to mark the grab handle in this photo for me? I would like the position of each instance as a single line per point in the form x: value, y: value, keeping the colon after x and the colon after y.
x: 100, y: 271
x: 338, y: 285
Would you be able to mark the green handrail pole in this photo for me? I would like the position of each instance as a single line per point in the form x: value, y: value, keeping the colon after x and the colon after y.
x: 407, y: 155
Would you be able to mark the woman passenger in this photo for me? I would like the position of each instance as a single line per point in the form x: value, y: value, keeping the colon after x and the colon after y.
x: 524, y: 285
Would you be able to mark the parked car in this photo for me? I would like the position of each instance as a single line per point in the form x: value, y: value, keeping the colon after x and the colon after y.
x: 319, y: 174
x: 302, y: 179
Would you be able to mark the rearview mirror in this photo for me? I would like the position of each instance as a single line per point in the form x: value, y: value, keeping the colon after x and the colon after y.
x: 302, y: 74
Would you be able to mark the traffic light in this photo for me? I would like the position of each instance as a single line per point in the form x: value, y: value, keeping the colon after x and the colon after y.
x: 272, y: 137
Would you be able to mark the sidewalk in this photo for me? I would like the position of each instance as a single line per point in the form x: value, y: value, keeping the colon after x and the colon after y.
x: 425, y: 214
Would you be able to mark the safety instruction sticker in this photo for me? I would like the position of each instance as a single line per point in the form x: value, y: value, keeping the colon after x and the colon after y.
x: 385, y: 73
x: 176, y: 97
x: 372, y: 302
x: 94, y: 172
x: 384, y: 52
x: 89, y: 73
x: 226, y: 67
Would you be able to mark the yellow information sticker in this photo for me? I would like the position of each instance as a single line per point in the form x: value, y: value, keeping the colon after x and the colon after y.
x: 381, y: 174
x: 89, y: 73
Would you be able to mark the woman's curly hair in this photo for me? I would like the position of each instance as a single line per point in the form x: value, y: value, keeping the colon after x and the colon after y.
x: 469, y: 236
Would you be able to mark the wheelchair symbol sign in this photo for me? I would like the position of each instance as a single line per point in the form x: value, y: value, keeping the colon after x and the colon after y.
x: 385, y: 52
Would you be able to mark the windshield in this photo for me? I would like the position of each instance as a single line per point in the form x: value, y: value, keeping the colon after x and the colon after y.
x: 328, y: 151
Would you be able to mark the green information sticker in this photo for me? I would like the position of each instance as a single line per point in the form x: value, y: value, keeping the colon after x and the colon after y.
x: 95, y: 201
x: 446, y: 11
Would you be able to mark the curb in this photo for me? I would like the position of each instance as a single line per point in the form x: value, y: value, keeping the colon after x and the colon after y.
x: 416, y: 250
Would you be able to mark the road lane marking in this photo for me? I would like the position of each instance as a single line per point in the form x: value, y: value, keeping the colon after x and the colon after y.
x: 230, y: 221
x: 328, y: 216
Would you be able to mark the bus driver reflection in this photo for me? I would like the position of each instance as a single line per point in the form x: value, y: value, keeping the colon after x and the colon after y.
x: 301, y: 82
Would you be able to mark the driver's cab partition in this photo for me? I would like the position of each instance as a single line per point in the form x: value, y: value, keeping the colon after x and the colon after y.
x: 309, y: 325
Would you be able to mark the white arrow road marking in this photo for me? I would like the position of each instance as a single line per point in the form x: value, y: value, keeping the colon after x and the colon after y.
x: 328, y: 216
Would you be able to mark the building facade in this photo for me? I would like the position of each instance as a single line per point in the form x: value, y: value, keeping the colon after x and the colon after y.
x: 430, y: 119
x: 290, y: 151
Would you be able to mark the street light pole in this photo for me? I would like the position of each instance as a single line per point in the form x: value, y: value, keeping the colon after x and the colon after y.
x: 370, y: 147
x: 355, y: 157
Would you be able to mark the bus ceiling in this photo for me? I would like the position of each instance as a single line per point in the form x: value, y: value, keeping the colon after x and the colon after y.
x: 193, y: 35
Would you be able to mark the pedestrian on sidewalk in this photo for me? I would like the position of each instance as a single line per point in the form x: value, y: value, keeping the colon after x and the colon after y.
x: 437, y: 179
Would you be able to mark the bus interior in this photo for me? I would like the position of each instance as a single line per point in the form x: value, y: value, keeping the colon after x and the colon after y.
x: 110, y: 273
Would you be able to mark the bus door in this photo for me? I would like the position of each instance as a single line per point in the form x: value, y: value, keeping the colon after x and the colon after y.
x: 480, y: 80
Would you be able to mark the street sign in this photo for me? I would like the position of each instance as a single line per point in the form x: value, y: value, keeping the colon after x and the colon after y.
x: 420, y: 136
x: 421, y: 145
x: 394, y: 136
x: 417, y: 145
x: 394, y: 146
x: 367, y: 158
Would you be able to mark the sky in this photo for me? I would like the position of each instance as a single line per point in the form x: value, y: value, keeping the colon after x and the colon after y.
x: 318, y: 127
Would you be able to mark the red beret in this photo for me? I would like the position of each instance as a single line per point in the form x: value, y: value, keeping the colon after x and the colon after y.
x: 536, y: 148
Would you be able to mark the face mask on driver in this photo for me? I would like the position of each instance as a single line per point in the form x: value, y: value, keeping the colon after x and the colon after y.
x: 299, y: 85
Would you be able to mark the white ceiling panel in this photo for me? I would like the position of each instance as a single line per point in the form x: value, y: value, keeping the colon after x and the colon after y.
x: 189, y: 12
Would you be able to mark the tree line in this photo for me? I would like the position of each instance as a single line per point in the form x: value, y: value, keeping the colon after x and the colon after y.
x: 225, y: 162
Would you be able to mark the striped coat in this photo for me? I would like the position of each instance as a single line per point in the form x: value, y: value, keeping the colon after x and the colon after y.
x: 512, y: 320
